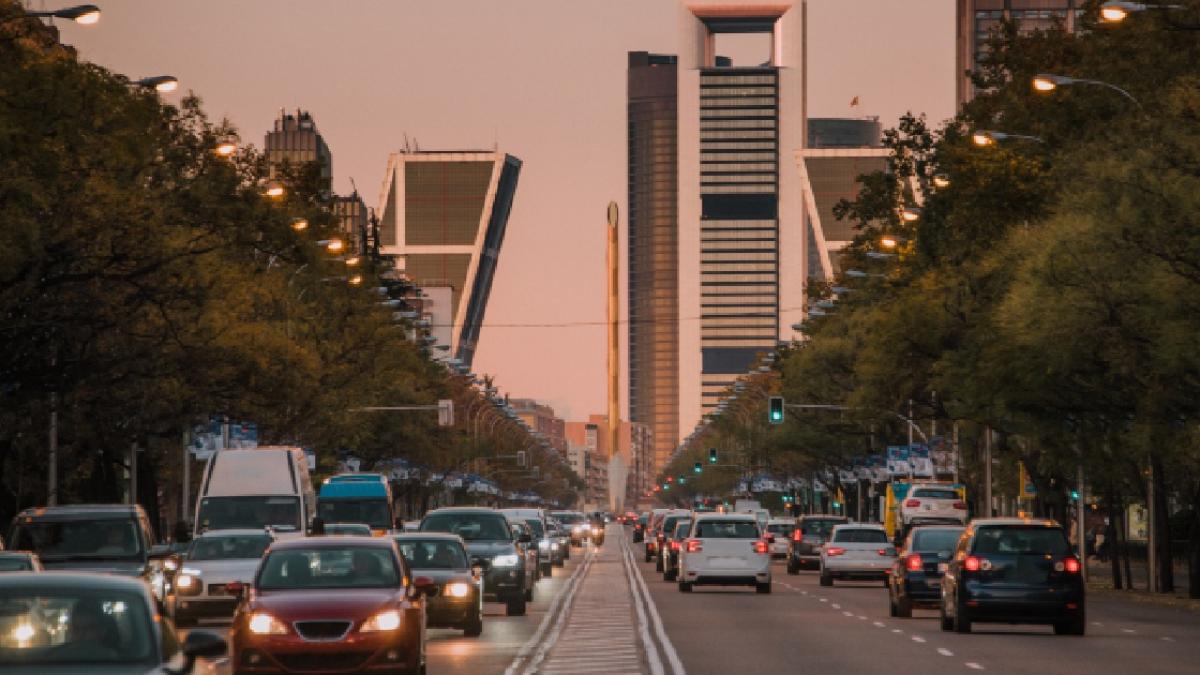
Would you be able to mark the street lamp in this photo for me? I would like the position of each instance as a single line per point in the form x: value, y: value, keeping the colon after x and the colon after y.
x: 985, y: 138
x: 83, y: 14
x: 226, y: 146
x: 888, y: 241
x: 910, y: 214
x: 1047, y: 82
x: 299, y: 224
x: 941, y: 181
x: 275, y: 191
x: 332, y: 245
x: 161, y: 83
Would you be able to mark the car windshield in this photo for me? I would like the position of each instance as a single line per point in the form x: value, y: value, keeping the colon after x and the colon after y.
x: 727, y: 529
x: 818, y: 528
x: 433, y: 554
x: 470, y: 526
x: 681, y: 529
x: 1020, y: 539
x: 941, y: 539
x: 569, y: 517
x: 92, y: 626
x: 112, y: 539
x: 643, y: 519
x: 935, y: 493
x: 249, y: 513
x: 860, y: 535
x: 350, y: 567
x: 780, y: 528
x: 225, y: 547
x: 359, y: 529
x: 15, y: 564
x: 668, y: 524
x: 536, y: 526
x: 373, y: 512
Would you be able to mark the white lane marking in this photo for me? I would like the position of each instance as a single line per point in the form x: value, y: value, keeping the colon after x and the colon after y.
x: 974, y: 666
x: 897, y: 630
x: 663, y: 640
x: 824, y: 599
x: 1097, y: 623
x: 1168, y: 639
x: 918, y: 638
x: 944, y: 652
x: 848, y: 613
x: 862, y: 618
x: 552, y: 637
x: 880, y: 624
x: 836, y: 606
x: 1128, y: 630
x: 643, y: 625
x: 803, y: 592
x: 529, y: 645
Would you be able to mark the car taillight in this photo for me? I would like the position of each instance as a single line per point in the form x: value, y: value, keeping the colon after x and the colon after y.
x: 674, y: 546
x: 912, y: 502
x: 760, y: 546
x: 914, y: 563
x: 1071, y: 565
x: 693, y: 546
x: 797, y: 535
x: 886, y: 551
x: 971, y: 564
x: 834, y: 550
x: 960, y: 506
x: 661, y: 536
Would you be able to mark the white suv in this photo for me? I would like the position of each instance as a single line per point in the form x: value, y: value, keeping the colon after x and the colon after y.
x: 929, y: 503
x: 725, y: 550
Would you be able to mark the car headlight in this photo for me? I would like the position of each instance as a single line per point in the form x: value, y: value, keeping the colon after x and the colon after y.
x: 458, y: 590
x: 508, y: 560
x: 186, y: 582
x: 544, y: 544
x: 577, y: 529
x: 388, y: 619
x: 265, y: 624
x: 554, y: 546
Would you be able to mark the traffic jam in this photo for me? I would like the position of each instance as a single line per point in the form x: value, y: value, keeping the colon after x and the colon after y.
x: 275, y: 578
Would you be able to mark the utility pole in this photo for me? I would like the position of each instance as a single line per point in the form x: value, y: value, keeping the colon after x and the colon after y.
x: 1081, y: 512
x: 186, y: 486
x: 52, y: 483
x: 987, y: 472
x: 133, y: 477
x: 1151, y: 533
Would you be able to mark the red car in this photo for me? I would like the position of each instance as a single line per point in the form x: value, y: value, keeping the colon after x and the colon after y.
x: 331, y: 605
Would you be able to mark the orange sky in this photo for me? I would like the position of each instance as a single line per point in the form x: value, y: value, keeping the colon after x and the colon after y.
x: 543, y: 78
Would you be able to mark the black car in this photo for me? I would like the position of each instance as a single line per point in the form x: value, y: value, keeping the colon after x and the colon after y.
x: 667, y: 529
x: 671, y: 546
x: 443, y: 558
x: 1013, y: 570
x: 808, y: 537
x: 916, y: 578
x: 492, y: 546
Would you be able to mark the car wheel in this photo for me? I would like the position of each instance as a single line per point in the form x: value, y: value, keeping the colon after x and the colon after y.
x: 648, y: 556
x: 685, y: 587
x: 962, y: 622
x: 1075, y: 626
x: 826, y: 579
x: 891, y: 606
x: 792, y: 567
x: 947, y: 622
x: 762, y: 588
x: 903, y: 608
x: 475, y: 628
x: 547, y: 569
x: 516, y: 607
x: 670, y: 575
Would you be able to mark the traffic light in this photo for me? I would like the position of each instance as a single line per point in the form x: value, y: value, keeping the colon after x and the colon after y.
x: 775, y: 410
x: 698, y: 468
x: 682, y: 479
x: 666, y: 486
x: 712, y: 455
x: 1074, y: 495
x: 670, y: 479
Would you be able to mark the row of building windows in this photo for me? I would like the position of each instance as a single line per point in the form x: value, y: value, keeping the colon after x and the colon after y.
x: 739, y: 80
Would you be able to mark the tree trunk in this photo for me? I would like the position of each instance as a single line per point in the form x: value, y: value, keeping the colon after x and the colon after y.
x: 1162, y: 530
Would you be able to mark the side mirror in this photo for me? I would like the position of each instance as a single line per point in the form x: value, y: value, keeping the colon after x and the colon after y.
x: 525, y: 538
x: 235, y: 588
x: 201, y: 644
x: 425, y: 586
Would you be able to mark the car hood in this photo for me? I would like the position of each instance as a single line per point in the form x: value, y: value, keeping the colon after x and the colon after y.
x: 95, y: 669
x: 120, y: 568
x: 445, y: 576
x: 322, y: 603
x: 489, y: 549
x: 224, y: 571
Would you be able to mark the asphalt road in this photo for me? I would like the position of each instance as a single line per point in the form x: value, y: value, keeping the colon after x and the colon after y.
x: 447, y: 651
x: 846, y: 629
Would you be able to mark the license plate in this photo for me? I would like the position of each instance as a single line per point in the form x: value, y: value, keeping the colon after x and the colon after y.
x: 726, y: 562
x: 942, y: 567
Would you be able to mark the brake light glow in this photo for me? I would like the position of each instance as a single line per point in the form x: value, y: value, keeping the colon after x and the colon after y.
x: 971, y: 564
x: 674, y: 546
x: 693, y: 546
x: 761, y: 547
x: 1071, y: 565
x: 885, y: 551
x: 912, y: 502
x: 834, y: 550
x: 960, y: 506
x: 797, y: 535
x: 914, y: 563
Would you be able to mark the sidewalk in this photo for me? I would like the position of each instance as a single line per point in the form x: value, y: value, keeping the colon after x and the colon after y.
x: 1100, y: 581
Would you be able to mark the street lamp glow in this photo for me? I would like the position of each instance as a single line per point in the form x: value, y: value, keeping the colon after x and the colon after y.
x: 355, y: 280
x: 275, y: 191
x: 1046, y: 83
x: 226, y: 146
x: 910, y: 214
x: 353, y: 261
x: 1116, y: 11
x: 941, y: 181
x: 299, y: 224
x: 81, y: 14
x: 161, y: 83
x: 334, y: 245
x: 983, y: 138
x: 888, y: 241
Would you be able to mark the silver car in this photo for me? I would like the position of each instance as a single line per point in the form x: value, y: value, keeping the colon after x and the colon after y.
x: 857, y: 551
x: 213, y: 560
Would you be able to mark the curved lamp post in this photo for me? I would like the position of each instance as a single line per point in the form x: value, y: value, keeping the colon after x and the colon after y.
x: 81, y: 14
x: 161, y: 83
x: 984, y: 138
x: 1047, y: 82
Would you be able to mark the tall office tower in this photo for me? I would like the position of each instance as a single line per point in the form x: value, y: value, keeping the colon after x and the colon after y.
x: 443, y: 216
x: 353, y: 222
x: 653, y: 260
x: 742, y: 249
x: 976, y: 17
x: 296, y: 141
x: 839, y: 150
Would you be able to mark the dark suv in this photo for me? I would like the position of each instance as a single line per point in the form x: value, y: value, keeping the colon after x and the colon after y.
x: 1013, y: 570
x: 916, y: 578
x: 810, y: 533
x: 493, y: 546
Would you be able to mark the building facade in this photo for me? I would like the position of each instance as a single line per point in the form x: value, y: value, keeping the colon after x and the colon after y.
x: 976, y: 18
x: 294, y: 141
x: 742, y: 249
x: 442, y: 216
x: 838, y: 152
x: 542, y: 420
x: 653, y: 253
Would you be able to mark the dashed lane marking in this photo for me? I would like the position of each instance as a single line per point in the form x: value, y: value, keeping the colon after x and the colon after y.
x: 1167, y: 639
x: 848, y: 613
x: 944, y: 652
x: 836, y: 606
x: 880, y: 624
x: 861, y: 617
x: 897, y: 630
x: 974, y: 666
x: 1128, y: 630
x: 918, y: 638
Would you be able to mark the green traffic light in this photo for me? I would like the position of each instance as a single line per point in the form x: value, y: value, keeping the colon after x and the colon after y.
x: 682, y: 479
x: 698, y: 468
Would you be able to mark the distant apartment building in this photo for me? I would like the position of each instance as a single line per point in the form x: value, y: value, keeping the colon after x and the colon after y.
x: 839, y: 150
x: 295, y: 141
x: 636, y: 447
x: 975, y: 18
x: 354, y: 222
x: 586, y: 457
x: 542, y: 420
x: 442, y: 217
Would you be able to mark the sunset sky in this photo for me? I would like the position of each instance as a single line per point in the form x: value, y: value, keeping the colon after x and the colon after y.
x: 543, y: 79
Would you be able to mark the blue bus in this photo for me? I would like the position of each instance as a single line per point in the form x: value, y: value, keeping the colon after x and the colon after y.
x: 357, y: 498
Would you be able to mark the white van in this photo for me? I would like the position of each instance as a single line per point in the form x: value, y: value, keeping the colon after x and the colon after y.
x: 253, y: 489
